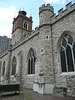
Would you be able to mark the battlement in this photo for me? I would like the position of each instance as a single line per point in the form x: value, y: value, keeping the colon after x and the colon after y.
x: 46, y: 7
x: 61, y: 13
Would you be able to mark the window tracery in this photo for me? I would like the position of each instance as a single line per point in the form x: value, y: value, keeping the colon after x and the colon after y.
x: 14, y: 66
x: 31, y: 62
x: 25, y: 25
x: 67, y: 54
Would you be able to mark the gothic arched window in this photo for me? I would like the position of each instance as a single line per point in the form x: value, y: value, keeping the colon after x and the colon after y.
x: 14, y: 66
x: 31, y: 62
x: 67, y: 54
x: 3, y: 72
x: 25, y: 25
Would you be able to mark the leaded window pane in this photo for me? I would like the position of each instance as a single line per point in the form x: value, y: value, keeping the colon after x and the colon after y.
x: 33, y: 67
x: 63, y: 60
x: 70, y: 40
x: 64, y: 43
x: 67, y: 62
x: 25, y: 25
x: 14, y: 66
x: 29, y: 66
x: 31, y: 63
x: 74, y: 51
x: 69, y: 59
x: 31, y: 53
x: 3, y: 68
x: 67, y: 36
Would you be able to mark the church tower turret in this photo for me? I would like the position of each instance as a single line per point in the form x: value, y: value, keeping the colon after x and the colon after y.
x: 45, y: 58
x: 21, y: 25
x: 45, y: 12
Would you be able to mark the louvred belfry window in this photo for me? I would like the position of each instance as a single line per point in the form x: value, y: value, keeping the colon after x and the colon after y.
x: 25, y: 25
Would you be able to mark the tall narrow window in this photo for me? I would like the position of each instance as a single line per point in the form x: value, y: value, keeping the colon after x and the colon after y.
x: 69, y: 59
x: 31, y: 62
x: 14, y: 66
x: 67, y: 54
x: 63, y: 60
x: 25, y: 25
x: 74, y: 52
x: 3, y: 72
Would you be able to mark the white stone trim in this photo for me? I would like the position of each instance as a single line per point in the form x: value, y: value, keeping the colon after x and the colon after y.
x: 43, y: 88
x: 67, y: 73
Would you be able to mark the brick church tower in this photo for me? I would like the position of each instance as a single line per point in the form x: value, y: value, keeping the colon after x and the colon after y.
x: 21, y: 25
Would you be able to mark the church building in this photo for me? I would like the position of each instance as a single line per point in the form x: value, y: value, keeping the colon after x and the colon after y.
x: 42, y: 59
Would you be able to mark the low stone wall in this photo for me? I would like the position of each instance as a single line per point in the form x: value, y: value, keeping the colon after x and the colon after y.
x: 68, y: 90
x: 60, y: 91
x: 71, y: 86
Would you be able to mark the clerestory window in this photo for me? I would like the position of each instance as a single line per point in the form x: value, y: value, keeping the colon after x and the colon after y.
x: 67, y: 54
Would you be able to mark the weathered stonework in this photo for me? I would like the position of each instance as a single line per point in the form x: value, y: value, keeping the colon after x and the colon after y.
x: 45, y: 40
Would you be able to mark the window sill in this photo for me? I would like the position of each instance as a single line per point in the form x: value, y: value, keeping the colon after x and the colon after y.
x: 67, y: 74
x: 31, y: 75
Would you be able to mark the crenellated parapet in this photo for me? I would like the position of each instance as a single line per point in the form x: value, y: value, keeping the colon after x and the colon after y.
x: 46, y: 7
x: 61, y: 13
x: 45, y: 12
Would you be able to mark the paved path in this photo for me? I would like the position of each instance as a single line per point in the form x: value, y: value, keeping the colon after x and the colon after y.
x: 34, y: 96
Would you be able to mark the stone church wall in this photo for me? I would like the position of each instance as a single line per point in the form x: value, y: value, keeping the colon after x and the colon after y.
x: 64, y: 25
x: 27, y: 44
x: 45, y: 40
x: 4, y: 58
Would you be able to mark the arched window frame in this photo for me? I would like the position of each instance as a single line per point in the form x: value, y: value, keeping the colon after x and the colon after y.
x: 71, y: 44
x: 3, y: 70
x: 31, y: 62
x: 25, y: 25
x: 14, y: 63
